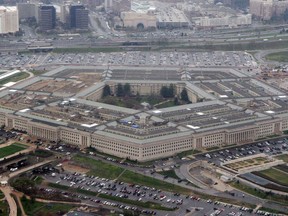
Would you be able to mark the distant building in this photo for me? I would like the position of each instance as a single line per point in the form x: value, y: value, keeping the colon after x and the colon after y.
x: 9, y: 20
x: 265, y: 9
x: 47, y: 17
x: 63, y: 13
x: 27, y: 10
x: 227, y: 21
x: 78, y: 17
x: 120, y: 6
x: 108, y: 4
x: 138, y: 20
x: 172, y: 18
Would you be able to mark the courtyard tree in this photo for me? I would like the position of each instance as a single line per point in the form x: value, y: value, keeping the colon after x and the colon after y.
x: 167, y: 92
x: 119, y: 90
x: 127, y: 89
x: 106, y: 91
x: 184, y: 95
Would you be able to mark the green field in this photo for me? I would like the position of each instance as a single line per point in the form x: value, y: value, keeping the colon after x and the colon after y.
x: 278, y: 56
x: 136, y: 178
x: 11, y: 149
x: 14, y: 78
x: 259, y: 193
x: 274, y: 175
x: 34, y: 208
x: 98, y: 168
x: 169, y: 173
x: 283, y: 157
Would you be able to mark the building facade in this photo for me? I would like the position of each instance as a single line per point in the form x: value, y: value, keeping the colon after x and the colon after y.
x: 265, y: 9
x: 47, y: 17
x: 9, y: 20
x: 78, y: 17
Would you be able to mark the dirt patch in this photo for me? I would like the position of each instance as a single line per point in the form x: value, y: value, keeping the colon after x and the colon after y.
x: 67, y: 166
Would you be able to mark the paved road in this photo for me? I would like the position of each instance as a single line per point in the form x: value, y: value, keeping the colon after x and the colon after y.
x: 12, y: 204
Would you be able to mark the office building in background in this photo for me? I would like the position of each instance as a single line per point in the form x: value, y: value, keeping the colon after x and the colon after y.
x: 47, y: 17
x: 78, y: 17
x: 9, y: 20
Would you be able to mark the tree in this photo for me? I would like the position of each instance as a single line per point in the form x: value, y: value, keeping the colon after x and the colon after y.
x: 119, y: 90
x: 164, y: 91
x: 106, y: 91
x: 176, y: 102
x: 171, y: 90
x: 184, y: 96
x: 127, y: 89
x: 167, y: 92
x: 24, y: 185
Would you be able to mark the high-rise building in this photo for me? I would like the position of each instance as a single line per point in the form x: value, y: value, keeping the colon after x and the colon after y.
x: 47, y: 17
x: 78, y: 17
x: 9, y: 20
x: 108, y: 4
x: 63, y: 13
x: 265, y: 9
x: 27, y: 10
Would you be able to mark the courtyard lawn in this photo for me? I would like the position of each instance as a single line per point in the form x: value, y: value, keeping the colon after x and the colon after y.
x: 274, y: 175
x: 98, y: 168
x: 11, y: 149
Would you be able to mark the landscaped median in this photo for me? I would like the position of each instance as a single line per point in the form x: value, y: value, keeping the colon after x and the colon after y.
x: 149, y: 205
x: 105, y: 170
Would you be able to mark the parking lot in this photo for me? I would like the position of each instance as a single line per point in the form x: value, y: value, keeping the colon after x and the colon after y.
x: 203, y: 59
x: 143, y: 194
x: 272, y: 147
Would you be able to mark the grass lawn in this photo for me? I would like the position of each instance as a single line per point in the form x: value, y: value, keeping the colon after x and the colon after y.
x: 42, y: 153
x: 85, y: 50
x: 169, y: 103
x: 259, y: 193
x: 275, y: 211
x: 14, y: 78
x: 4, y: 207
x: 169, y: 173
x: 44, y: 209
x: 135, y: 178
x: 278, y: 56
x: 38, y: 180
x: 274, y: 175
x: 212, y: 148
x: 283, y: 157
x: 99, y: 168
x: 11, y: 149
x: 187, y: 153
